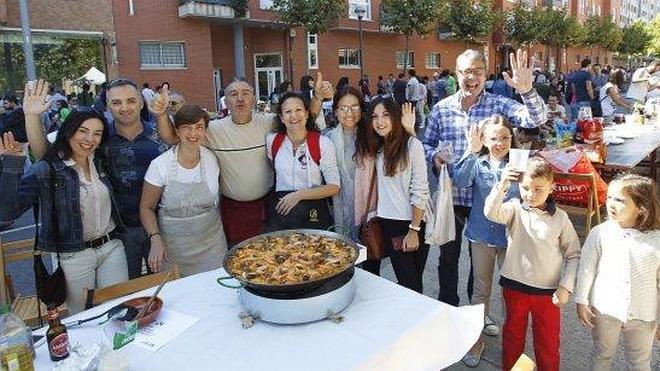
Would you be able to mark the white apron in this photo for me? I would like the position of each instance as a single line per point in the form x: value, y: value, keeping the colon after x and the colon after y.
x: 190, y: 225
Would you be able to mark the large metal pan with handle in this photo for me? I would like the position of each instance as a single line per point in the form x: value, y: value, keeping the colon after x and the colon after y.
x: 296, y: 289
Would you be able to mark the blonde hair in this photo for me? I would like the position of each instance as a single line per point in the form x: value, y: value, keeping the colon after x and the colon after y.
x: 643, y: 192
x: 538, y: 167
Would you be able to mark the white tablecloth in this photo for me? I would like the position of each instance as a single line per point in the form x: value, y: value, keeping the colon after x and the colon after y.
x: 386, y: 327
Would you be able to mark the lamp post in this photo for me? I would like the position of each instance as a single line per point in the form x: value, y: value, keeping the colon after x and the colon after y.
x: 360, y: 11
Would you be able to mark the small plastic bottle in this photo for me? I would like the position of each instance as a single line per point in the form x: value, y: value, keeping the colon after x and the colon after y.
x: 15, y: 347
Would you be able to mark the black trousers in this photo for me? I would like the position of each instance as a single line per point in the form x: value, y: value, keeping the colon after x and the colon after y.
x: 448, y: 262
x: 408, y: 266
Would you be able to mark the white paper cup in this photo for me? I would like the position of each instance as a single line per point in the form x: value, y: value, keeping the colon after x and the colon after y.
x: 518, y: 159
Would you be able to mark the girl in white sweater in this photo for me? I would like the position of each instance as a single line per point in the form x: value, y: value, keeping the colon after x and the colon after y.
x: 618, y: 285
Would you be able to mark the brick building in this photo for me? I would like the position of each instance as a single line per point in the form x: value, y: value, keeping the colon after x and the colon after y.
x: 198, y: 46
x: 53, y: 20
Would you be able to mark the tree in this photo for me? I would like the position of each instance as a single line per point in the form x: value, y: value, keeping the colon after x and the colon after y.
x: 603, y: 32
x: 468, y: 21
x: 68, y: 59
x: 523, y: 24
x: 316, y: 16
x: 611, y: 34
x: 636, y: 39
x: 654, y: 31
x: 559, y: 30
x: 409, y: 17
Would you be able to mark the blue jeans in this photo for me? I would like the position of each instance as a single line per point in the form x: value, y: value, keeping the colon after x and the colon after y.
x: 575, y: 108
x: 136, y: 245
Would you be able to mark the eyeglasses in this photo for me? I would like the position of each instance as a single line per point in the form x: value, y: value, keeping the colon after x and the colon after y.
x: 346, y: 109
x: 473, y: 71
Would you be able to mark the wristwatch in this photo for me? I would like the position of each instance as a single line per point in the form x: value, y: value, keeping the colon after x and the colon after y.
x: 413, y: 228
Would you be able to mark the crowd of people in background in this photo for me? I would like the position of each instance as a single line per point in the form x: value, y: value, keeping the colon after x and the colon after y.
x: 136, y: 181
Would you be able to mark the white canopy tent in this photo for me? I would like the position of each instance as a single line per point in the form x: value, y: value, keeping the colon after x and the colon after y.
x: 94, y: 76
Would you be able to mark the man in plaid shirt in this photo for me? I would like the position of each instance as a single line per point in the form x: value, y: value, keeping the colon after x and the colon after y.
x: 448, y: 124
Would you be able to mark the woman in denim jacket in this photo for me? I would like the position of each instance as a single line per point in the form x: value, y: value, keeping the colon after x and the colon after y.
x: 86, y: 238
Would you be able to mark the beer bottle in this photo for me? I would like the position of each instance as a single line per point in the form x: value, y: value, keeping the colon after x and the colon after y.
x: 58, y: 339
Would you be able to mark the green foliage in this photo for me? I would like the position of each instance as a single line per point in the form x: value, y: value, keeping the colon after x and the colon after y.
x: 636, y: 39
x: 558, y: 29
x: 654, y: 31
x: 316, y: 16
x: 240, y: 8
x: 69, y: 59
x: 409, y: 17
x: 576, y: 34
x: 523, y: 25
x: 603, y: 32
x: 468, y: 21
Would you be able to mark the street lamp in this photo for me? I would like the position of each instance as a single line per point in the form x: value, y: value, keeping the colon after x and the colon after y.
x: 360, y: 11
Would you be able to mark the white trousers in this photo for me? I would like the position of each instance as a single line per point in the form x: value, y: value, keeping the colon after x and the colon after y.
x: 638, y: 339
x: 92, y: 268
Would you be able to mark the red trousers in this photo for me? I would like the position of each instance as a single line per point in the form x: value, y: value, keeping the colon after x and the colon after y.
x: 243, y: 219
x: 545, y: 328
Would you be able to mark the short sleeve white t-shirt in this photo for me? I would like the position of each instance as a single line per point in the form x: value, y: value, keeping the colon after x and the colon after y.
x: 160, y: 172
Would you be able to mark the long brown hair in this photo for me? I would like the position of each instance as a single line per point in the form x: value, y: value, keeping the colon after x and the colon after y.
x: 395, y: 144
x: 643, y: 192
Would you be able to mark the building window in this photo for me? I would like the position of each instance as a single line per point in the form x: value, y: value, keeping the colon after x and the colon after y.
x: 432, y: 60
x: 131, y: 10
x: 605, y: 60
x: 313, y: 51
x: 349, y: 58
x: 597, y: 59
x: 265, y: 4
x: 366, y: 4
x: 400, y: 59
x: 577, y: 59
x: 162, y: 55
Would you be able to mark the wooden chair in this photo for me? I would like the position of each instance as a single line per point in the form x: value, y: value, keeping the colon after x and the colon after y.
x: 592, y: 209
x: 26, y: 307
x: 98, y: 296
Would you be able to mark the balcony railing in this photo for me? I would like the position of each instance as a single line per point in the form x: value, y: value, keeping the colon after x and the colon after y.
x: 206, y: 9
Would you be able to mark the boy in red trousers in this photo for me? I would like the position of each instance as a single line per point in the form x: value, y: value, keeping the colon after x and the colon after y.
x: 541, y: 263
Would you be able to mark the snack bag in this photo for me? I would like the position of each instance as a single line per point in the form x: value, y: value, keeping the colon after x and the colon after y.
x: 574, y: 161
x: 564, y: 132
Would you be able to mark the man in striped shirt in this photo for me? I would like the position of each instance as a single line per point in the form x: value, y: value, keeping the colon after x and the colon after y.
x: 448, y: 124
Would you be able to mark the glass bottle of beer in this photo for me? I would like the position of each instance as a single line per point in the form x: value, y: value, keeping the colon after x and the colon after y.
x: 58, y: 339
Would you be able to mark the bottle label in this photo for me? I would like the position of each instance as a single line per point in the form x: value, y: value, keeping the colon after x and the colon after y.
x: 59, y: 346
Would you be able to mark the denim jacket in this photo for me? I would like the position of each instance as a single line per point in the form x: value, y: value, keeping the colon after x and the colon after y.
x: 475, y: 171
x: 20, y: 192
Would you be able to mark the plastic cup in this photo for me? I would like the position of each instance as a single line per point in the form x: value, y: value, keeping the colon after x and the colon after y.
x: 518, y: 159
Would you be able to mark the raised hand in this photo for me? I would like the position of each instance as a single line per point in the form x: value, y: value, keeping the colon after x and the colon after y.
x: 522, y: 72
x: 475, y: 138
x: 9, y: 146
x: 322, y: 89
x: 158, y: 106
x: 408, y: 118
x: 34, y: 102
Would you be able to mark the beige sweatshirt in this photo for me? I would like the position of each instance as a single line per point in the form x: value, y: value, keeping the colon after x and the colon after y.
x: 543, y: 249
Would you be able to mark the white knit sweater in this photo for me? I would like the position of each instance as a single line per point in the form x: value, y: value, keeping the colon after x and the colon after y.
x: 619, y: 272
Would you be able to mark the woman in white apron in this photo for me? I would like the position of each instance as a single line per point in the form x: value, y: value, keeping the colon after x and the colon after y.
x: 187, y: 231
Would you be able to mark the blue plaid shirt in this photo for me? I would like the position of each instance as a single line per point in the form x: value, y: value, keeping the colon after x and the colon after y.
x: 449, y: 123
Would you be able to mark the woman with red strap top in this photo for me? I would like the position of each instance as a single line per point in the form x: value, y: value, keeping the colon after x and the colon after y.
x: 306, y: 173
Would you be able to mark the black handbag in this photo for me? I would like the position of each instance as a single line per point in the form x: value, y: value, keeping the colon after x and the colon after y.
x: 51, y: 287
x: 307, y: 214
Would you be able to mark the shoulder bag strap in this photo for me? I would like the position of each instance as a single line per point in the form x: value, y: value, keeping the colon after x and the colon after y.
x: 372, y: 186
x: 55, y: 229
